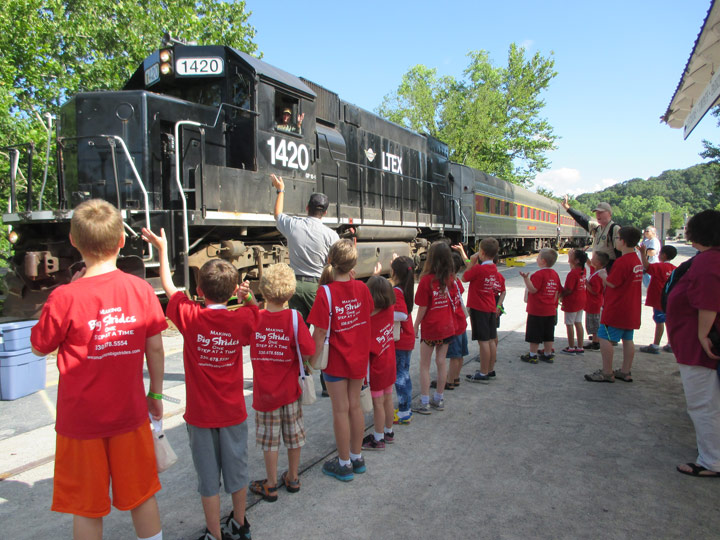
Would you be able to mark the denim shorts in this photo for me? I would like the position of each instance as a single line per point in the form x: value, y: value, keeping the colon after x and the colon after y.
x: 458, y: 346
x: 332, y: 378
x: 611, y: 333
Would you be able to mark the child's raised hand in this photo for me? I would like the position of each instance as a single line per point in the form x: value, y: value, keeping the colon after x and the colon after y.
x: 243, y: 290
x: 378, y: 269
x: 158, y: 242
x: 642, y: 248
x: 524, y: 274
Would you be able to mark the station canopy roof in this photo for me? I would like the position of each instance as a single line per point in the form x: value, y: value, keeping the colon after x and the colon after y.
x: 699, y: 89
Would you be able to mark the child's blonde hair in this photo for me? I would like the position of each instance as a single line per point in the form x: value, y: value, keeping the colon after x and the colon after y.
x: 548, y: 255
x: 382, y: 292
x: 342, y: 258
x: 218, y: 280
x: 96, y: 228
x: 277, y: 283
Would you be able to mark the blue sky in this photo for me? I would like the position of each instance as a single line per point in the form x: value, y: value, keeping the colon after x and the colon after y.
x: 618, y: 65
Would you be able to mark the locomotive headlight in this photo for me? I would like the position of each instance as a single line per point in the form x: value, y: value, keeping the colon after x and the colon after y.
x: 13, y: 237
x: 165, y: 69
x: 164, y: 56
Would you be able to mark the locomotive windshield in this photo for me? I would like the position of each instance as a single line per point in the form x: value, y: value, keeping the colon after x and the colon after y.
x: 201, y: 91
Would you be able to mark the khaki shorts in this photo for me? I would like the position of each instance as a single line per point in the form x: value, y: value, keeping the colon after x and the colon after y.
x: 287, y: 420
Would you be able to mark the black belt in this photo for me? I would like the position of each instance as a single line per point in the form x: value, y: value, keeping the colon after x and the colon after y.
x: 307, y: 278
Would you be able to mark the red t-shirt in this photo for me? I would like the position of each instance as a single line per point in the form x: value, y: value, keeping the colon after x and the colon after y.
x: 483, y: 280
x: 382, y: 350
x: 594, y: 293
x: 438, y: 322
x: 274, y: 359
x: 696, y: 290
x: 659, y: 274
x: 407, y: 332
x: 352, y: 304
x: 544, y: 302
x: 575, y: 282
x: 623, y: 303
x: 99, y: 325
x: 456, y: 297
x: 212, y: 355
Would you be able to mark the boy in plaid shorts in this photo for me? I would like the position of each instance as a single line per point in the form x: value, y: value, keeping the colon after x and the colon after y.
x: 276, y: 390
x: 215, y: 410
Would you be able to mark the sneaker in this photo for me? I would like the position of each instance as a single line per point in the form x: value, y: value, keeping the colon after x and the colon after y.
x: 358, y: 465
x: 333, y: 468
x: 207, y: 536
x: 542, y: 351
x: 579, y: 350
x: 569, y: 350
x: 325, y: 393
x: 627, y: 377
x: 527, y: 357
x: 492, y: 374
x: 547, y: 358
x: 437, y: 405
x: 419, y: 408
x: 592, y: 346
x: 599, y: 376
x: 395, y: 416
x: 389, y: 437
x: 651, y: 349
x: 667, y: 348
x: 478, y: 377
x: 403, y: 420
x: 369, y: 443
x: 232, y: 530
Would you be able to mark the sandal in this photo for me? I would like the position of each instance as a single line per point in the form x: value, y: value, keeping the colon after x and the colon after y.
x: 698, y: 470
x: 622, y: 376
x: 448, y: 385
x: 267, y: 493
x: 293, y: 486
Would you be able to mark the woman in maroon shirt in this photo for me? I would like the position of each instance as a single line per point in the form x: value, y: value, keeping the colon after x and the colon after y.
x: 692, y: 311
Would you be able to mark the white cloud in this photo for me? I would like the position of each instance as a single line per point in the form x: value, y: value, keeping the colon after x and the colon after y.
x: 558, y: 180
x: 527, y: 44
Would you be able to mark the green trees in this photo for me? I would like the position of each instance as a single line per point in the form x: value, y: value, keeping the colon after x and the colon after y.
x: 52, y: 49
x: 490, y: 119
x: 680, y: 192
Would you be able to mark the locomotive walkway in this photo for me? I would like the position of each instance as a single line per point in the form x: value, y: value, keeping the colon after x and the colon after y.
x: 538, y: 453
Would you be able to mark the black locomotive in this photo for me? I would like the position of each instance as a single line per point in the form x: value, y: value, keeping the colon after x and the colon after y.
x: 189, y: 145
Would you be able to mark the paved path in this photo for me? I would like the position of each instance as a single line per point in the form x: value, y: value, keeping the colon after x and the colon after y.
x: 538, y: 453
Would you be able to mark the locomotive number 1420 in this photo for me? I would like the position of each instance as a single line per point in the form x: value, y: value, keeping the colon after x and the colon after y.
x: 289, y: 154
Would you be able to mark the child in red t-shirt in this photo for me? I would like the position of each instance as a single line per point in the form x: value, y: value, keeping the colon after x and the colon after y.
x: 594, y: 295
x: 382, y: 363
x: 103, y: 323
x: 543, y: 290
x: 349, y: 352
x: 573, y: 301
x: 435, y: 314
x: 484, y: 284
x: 276, y: 388
x: 659, y: 273
x: 402, y: 278
x: 622, y: 308
x: 212, y: 357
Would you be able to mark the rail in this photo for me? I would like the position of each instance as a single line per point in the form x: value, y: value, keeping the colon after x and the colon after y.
x: 419, y: 182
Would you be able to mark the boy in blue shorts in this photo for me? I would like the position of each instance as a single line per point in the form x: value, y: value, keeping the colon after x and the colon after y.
x: 621, y: 312
x: 215, y: 412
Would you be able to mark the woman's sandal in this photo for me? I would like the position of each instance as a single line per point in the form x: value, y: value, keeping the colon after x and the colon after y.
x: 267, y: 493
x: 698, y: 471
x: 293, y: 486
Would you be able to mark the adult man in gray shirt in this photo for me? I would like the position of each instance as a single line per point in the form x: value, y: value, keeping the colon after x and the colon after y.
x: 308, y: 243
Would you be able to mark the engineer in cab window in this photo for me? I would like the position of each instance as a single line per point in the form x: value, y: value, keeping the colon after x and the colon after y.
x: 285, y: 122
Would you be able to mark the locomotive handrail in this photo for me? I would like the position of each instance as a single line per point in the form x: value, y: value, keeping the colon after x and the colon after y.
x: 111, y: 139
x: 178, y: 181
x: 14, y: 163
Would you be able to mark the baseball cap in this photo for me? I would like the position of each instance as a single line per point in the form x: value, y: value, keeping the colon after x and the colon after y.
x: 318, y: 201
x: 287, y: 111
x: 603, y: 207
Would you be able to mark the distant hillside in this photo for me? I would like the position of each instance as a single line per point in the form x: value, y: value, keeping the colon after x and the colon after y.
x: 679, y: 192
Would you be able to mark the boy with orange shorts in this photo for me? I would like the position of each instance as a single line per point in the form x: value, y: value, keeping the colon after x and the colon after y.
x: 103, y: 323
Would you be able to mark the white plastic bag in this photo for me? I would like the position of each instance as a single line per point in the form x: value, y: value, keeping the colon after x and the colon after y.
x: 164, y: 454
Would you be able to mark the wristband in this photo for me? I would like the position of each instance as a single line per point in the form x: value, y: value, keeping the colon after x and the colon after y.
x: 247, y: 298
x: 153, y: 395
x: 467, y: 260
x: 279, y: 191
